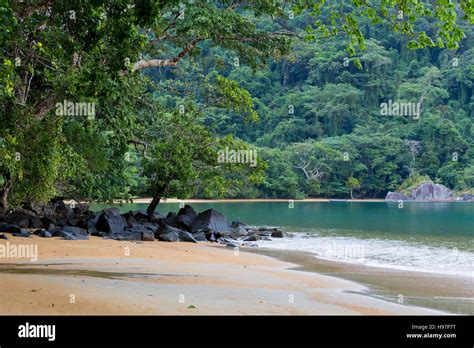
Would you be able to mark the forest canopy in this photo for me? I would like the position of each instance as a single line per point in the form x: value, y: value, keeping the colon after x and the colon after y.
x: 116, y: 99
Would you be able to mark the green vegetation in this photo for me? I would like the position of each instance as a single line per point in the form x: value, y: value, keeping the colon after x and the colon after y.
x: 169, y: 84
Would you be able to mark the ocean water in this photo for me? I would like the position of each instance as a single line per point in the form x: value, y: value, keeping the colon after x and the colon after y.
x: 426, y: 237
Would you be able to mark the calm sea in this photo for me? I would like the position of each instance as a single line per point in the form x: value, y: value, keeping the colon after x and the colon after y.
x: 428, y: 237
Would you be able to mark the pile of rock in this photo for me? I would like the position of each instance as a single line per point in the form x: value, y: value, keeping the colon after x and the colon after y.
x: 428, y: 192
x: 59, y: 220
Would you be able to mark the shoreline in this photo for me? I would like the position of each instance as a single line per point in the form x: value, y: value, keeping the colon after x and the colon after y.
x: 175, y: 278
x: 450, y: 293
x: 147, y: 200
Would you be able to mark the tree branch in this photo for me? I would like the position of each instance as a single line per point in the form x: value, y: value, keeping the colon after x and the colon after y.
x: 141, y: 64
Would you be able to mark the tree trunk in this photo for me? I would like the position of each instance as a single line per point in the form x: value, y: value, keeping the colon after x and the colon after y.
x: 154, y: 203
x: 352, y: 197
x: 4, y: 195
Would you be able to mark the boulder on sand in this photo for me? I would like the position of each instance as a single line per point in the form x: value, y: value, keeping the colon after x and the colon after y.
x: 71, y: 233
x: 23, y: 233
x: 239, y: 228
x: 211, y: 219
x: 186, y: 217
x: 111, y: 221
x: 188, y: 210
x: 9, y: 228
x: 172, y: 234
x: 45, y: 234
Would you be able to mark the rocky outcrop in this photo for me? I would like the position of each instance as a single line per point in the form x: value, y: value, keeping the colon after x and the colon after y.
x: 56, y: 219
x: 466, y: 198
x: 396, y: 196
x: 427, y: 191
x: 111, y: 221
x: 212, y: 219
x: 71, y: 233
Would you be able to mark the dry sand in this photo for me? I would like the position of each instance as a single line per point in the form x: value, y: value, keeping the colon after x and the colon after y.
x: 121, y: 277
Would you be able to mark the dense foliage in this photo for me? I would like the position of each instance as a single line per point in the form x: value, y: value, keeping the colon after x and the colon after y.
x: 318, y: 109
x: 167, y: 85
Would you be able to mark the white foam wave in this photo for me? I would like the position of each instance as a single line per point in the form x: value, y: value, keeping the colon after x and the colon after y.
x: 380, y: 253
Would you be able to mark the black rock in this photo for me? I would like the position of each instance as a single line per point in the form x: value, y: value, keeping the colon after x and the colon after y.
x: 23, y: 233
x: 210, y: 234
x: 3, y: 236
x: 45, y: 234
x: 156, y: 217
x: 237, y: 224
x: 184, y: 221
x: 151, y: 226
x: 278, y: 234
x: 123, y: 235
x: 251, y: 238
x: 81, y: 209
x: 211, y: 219
x: 171, y: 215
x: 48, y: 220
x: 71, y: 233
x: 171, y: 234
x: 130, y: 218
x: 239, y: 230
x: 186, y: 237
x: 62, y: 212
x: 141, y: 232
x: 136, y: 216
x: 40, y: 209
x: 73, y: 222
x: 265, y: 231
x: 91, y: 222
x: 74, y: 230
x: 21, y: 211
x: 18, y: 219
x: 9, y: 228
x: 69, y: 236
x: 35, y: 222
x: 148, y: 236
x: 111, y: 221
x: 4, y: 226
x: 170, y: 221
x: 138, y: 227
x: 188, y: 211
x: 163, y: 229
x: 200, y: 236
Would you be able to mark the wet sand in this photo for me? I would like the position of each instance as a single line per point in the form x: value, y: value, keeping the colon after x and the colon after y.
x: 99, y: 276
x: 443, y: 292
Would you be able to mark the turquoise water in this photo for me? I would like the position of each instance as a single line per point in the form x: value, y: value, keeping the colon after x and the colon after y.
x: 430, y: 237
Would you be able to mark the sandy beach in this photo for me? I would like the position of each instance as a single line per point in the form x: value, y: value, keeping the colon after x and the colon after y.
x: 99, y: 276
x: 147, y: 200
